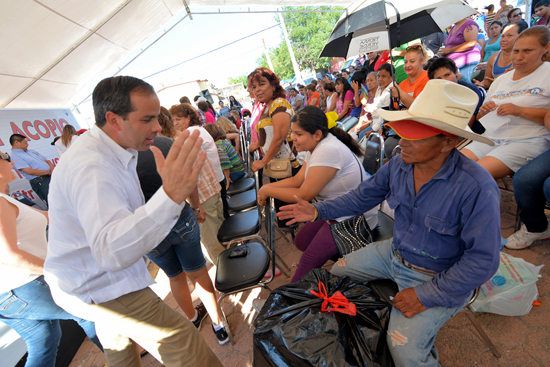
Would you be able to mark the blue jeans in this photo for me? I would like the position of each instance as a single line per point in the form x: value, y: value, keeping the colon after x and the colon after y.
x: 532, y: 191
x: 32, y: 313
x: 181, y: 250
x: 467, y: 70
x: 410, y: 340
x: 234, y: 176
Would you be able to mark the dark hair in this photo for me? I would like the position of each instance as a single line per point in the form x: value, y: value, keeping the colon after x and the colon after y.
x: 330, y: 86
x: 346, y: 85
x: 113, y: 95
x: 312, y: 118
x: 496, y: 22
x: 196, y: 98
x: 166, y: 123
x: 440, y: 63
x: 521, y: 24
x: 513, y: 10
x: 359, y: 77
x: 67, y: 134
x: 272, y: 78
x: 216, y: 132
x: 294, y: 90
x: 203, y: 106
x: 246, y: 113
x: 233, y: 101
x: 387, y: 67
x: 184, y: 110
x: 490, y: 7
x: 185, y: 99
x: 17, y: 137
x: 542, y: 3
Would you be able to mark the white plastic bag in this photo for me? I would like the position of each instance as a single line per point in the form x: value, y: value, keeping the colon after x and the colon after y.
x: 511, y: 291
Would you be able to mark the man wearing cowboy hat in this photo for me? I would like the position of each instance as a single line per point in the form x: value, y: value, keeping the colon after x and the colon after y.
x: 447, y: 220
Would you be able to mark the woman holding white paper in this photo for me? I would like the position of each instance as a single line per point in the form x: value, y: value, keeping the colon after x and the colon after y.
x: 513, y: 113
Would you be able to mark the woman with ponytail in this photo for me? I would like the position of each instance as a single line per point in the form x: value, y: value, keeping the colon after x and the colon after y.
x: 331, y: 169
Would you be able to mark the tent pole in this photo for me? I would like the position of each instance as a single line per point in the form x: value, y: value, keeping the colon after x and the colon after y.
x: 389, y: 36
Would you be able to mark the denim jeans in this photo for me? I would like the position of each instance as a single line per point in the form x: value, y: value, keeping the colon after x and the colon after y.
x: 467, y: 70
x: 32, y: 313
x: 41, y: 186
x: 532, y: 191
x: 234, y: 176
x: 410, y: 340
x: 181, y: 249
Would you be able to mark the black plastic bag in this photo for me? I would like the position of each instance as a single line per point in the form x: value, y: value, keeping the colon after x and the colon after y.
x: 291, y: 329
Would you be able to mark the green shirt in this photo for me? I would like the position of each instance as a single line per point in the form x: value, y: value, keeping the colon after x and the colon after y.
x: 229, y: 159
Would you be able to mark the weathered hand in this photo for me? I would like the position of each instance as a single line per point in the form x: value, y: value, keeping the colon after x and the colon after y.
x: 408, y: 303
x: 180, y: 170
x: 355, y: 85
x: 302, y: 211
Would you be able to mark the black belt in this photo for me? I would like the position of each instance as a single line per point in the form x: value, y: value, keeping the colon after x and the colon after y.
x: 38, y: 178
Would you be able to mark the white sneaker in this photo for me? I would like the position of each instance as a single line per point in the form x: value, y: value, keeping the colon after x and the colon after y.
x: 523, y: 238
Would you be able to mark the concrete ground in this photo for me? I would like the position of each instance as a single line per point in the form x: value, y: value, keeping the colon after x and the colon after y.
x: 522, y: 341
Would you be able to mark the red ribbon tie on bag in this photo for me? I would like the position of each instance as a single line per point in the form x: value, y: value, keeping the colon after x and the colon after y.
x: 338, y: 302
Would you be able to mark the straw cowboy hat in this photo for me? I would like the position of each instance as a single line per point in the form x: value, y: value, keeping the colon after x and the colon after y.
x: 443, y: 107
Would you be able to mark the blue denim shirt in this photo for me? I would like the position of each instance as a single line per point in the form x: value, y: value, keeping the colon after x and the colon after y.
x: 451, y: 226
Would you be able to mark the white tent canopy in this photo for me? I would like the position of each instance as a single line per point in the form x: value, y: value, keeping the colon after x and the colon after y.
x: 53, y: 49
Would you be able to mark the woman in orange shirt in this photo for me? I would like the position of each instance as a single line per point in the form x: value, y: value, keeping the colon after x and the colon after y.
x: 313, y: 95
x: 411, y: 87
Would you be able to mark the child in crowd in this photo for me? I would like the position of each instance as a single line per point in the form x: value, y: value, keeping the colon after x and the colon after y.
x: 231, y: 163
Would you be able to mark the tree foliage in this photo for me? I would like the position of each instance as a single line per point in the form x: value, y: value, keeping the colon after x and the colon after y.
x: 237, y: 80
x: 308, y: 34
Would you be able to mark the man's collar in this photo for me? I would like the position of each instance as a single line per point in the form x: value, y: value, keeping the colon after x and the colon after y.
x: 125, y: 156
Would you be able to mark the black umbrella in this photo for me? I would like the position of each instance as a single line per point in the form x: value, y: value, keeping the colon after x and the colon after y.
x: 364, y: 26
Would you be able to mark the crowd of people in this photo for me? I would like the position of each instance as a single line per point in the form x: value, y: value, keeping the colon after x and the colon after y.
x: 152, y: 181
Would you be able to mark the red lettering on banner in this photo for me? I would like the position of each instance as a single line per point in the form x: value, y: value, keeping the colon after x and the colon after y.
x: 26, y: 125
x: 16, y: 130
x: 63, y: 121
x: 55, y: 161
x: 17, y: 173
x: 1, y: 143
x: 58, y: 125
x: 28, y: 194
x: 52, y: 127
x: 38, y: 123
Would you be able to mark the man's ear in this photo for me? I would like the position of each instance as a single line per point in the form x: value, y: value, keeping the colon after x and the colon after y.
x: 450, y: 143
x: 114, y: 120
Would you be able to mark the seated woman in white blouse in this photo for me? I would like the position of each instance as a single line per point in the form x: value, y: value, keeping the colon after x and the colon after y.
x: 331, y: 169
x: 514, y: 109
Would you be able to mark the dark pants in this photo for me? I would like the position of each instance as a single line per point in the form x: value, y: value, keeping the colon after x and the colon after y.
x: 41, y: 186
x: 223, y: 194
x: 532, y: 191
x: 279, y: 203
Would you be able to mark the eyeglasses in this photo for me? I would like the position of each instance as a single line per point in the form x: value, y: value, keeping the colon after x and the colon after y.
x: 416, y: 48
x: 516, y: 15
x: 5, y: 156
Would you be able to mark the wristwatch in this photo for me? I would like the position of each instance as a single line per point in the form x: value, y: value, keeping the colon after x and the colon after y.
x: 315, y: 216
x: 196, y: 210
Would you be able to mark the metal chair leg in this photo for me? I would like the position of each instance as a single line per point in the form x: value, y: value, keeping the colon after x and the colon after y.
x: 224, y: 319
x: 282, y: 233
x: 482, y: 333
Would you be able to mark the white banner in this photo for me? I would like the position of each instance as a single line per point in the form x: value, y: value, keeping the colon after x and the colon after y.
x: 40, y: 126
